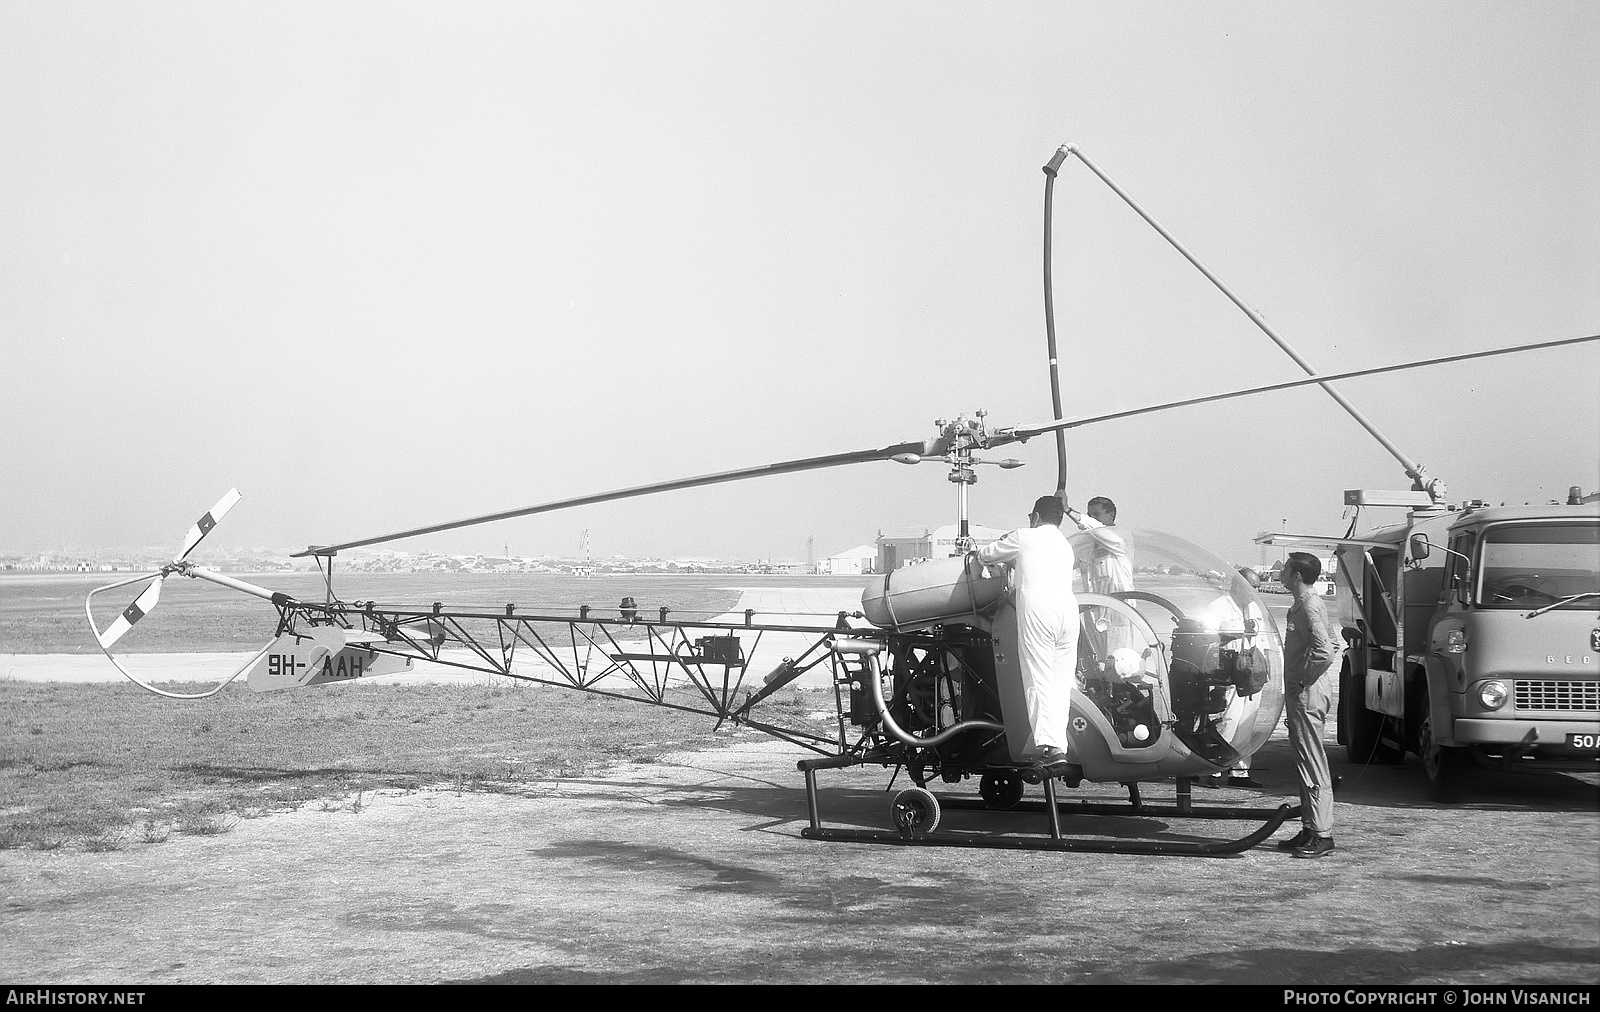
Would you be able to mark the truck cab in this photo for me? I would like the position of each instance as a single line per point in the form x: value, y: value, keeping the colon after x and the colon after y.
x: 1474, y: 636
x: 1510, y: 656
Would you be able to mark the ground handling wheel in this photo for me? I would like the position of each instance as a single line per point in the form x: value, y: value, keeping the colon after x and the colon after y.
x: 1000, y: 791
x: 915, y: 812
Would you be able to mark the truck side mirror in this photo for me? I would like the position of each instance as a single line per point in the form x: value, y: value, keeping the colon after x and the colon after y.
x: 1420, y: 546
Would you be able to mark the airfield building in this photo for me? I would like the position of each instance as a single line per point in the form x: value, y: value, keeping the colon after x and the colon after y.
x: 904, y: 546
x: 851, y: 562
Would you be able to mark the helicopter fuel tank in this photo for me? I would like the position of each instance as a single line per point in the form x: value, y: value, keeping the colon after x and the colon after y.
x: 938, y: 590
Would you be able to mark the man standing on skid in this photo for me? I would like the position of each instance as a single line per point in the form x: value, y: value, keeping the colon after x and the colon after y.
x: 1046, y: 623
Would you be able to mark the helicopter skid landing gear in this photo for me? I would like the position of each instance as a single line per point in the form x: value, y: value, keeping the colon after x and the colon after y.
x: 917, y: 815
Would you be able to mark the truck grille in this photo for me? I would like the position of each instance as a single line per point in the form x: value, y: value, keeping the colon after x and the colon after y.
x: 1558, y: 695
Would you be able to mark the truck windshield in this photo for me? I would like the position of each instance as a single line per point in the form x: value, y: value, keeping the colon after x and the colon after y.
x: 1536, y: 565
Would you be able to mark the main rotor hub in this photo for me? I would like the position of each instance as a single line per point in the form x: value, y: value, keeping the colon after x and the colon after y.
x: 964, y: 434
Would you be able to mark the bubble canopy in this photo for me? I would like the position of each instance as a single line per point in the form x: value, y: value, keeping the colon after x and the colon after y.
x: 1187, y: 625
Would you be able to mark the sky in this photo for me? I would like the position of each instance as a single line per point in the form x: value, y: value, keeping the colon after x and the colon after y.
x: 379, y: 266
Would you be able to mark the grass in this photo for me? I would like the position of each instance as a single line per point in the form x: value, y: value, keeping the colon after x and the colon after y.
x: 97, y: 767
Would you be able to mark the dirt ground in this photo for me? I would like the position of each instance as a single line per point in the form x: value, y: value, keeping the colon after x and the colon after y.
x: 693, y: 870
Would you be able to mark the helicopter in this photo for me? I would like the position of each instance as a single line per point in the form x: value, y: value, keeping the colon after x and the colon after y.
x: 1179, y: 676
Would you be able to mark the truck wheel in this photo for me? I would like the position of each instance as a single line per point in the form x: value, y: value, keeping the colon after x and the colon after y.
x: 1364, y: 728
x: 1445, y: 766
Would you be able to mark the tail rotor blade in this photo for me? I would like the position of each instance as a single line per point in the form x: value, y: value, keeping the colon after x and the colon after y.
x: 146, y: 602
x: 203, y: 526
x: 142, y: 606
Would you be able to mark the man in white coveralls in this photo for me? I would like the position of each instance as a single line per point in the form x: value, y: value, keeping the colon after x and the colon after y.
x: 1044, y: 615
x: 1110, y: 570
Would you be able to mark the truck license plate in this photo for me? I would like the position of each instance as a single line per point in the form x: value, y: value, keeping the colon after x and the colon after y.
x: 1585, y: 741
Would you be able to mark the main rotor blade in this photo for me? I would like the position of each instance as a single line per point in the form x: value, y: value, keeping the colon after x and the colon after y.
x: 922, y: 448
x: 1019, y: 433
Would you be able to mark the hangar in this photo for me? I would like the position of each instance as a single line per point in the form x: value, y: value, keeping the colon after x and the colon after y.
x: 906, y: 546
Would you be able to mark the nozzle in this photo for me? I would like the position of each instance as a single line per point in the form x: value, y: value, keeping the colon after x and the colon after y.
x: 1054, y: 165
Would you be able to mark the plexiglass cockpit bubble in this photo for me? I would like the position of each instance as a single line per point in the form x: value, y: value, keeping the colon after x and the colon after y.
x: 1174, y: 641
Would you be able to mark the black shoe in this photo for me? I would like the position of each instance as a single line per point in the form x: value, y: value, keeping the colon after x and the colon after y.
x: 1243, y: 781
x: 1318, y: 847
x: 1296, y: 841
x: 1052, y: 762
